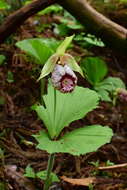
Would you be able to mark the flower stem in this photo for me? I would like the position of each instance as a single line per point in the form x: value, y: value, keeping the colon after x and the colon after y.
x: 54, y: 103
x: 42, y: 90
x: 49, y: 170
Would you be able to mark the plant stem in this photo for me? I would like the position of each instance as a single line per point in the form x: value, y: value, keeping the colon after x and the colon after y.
x: 54, y: 103
x: 42, y: 89
x: 49, y: 170
x: 52, y: 156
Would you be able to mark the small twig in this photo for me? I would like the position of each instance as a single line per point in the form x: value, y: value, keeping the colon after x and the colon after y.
x: 113, y: 167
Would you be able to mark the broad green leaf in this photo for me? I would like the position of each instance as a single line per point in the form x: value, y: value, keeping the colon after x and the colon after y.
x: 42, y: 175
x: 80, y: 141
x: 51, y: 42
x: 49, y: 66
x: 64, y: 45
x: 95, y: 69
x: 29, y: 172
x: 61, y: 109
x: 39, y: 48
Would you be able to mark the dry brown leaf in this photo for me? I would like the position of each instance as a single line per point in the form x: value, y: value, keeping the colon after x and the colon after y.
x: 84, y: 181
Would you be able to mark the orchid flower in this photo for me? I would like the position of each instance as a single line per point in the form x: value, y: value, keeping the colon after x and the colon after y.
x: 62, y: 65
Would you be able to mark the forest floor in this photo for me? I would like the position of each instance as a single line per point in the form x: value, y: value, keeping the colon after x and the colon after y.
x: 18, y: 123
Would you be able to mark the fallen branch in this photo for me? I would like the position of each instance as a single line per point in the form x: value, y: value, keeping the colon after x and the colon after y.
x: 110, y: 32
x: 13, y: 21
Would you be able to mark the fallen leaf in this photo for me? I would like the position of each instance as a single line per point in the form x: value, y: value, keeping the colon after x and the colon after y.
x: 83, y: 181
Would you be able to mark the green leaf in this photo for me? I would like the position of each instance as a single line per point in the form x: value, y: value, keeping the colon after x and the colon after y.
x: 29, y: 172
x: 109, y: 163
x: 10, y: 77
x: 91, y: 39
x: 61, y: 109
x: 80, y: 141
x: 107, y: 87
x: 42, y: 175
x: 49, y: 66
x: 64, y: 45
x: 51, y: 9
x: 95, y: 69
x: 3, y: 185
x: 39, y: 48
x: 88, y: 40
x: 4, y: 5
x: 51, y: 43
x: 1, y: 153
x: 61, y: 29
x: 2, y: 59
x: 2, y: 100
x: 104, y: 95
x: 70, y: 21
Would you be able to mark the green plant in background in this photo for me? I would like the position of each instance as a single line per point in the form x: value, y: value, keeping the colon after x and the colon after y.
x: 10, y: 77
x: 66, y: 21
x: 60, y: 109
x: 51, y: 9
x: 67, y: 24
x: 2, y: 156
x: 91, y: 187
x: 96, y: 163
x: 4, y: 5
x: 88, y: 40
x: 2, y: 186
x: 95, y: 70
x: 2, y: 100
x: 29, y: 172
x: 2, y: 59
x: 109, y: 163
x: 14, y: 4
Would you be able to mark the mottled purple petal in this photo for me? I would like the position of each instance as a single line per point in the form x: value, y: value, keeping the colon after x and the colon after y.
x: 63, y: 78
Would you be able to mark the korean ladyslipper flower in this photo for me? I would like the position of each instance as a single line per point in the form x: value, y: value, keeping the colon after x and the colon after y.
x: 63, y: 78
x: 61, y: 66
